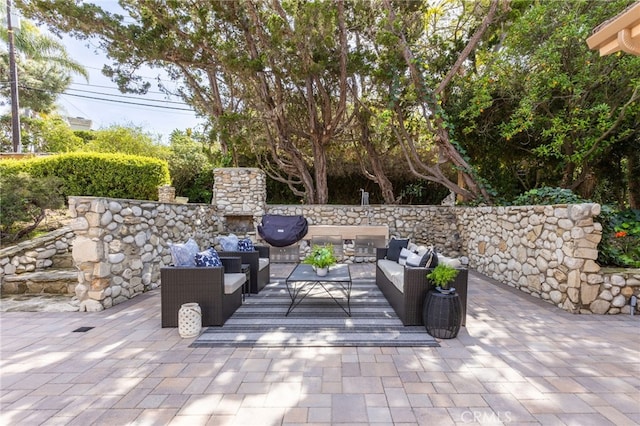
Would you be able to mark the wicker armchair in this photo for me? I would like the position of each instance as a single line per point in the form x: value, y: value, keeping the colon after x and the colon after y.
x: 205, y: 286
x: 259, y: 277
x: 408, y: 303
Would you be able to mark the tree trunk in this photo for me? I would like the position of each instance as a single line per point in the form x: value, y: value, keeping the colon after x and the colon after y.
x: 633, y: 177
x: 377, y: 175
x: 428, y: 102
x: 320, y: 172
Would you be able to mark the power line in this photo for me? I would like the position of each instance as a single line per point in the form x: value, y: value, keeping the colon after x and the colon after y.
x: 128, y: 102
x: 67, y: 101
x: 120, y: 95
x: 117, y: 100
x: 110, y: 87
x: 125, y: 96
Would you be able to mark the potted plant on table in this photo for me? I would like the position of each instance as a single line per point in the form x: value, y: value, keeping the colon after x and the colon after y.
x: 442, y: 309
x: 442, y: 276
x: 321, y: 258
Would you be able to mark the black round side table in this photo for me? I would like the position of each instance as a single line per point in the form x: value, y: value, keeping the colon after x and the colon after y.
x: 442, y: 314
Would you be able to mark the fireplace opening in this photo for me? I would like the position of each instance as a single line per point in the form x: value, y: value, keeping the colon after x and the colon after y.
x: 239, y: 224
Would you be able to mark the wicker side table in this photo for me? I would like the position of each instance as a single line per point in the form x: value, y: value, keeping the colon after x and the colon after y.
x: 442, y: 314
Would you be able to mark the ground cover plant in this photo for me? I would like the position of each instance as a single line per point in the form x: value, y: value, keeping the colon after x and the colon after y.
x: 620, y: 244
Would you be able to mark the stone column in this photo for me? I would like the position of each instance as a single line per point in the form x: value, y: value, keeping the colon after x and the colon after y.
x: 239, y: 192
x: 89, y: 254
x: 166, y: 194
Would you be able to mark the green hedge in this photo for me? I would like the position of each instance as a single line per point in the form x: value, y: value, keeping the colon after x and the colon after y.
x: 98, y: 175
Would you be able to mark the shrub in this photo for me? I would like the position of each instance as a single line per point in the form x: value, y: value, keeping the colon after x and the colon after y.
x: 98, y: 175
x: 620, y: 244
x: 191, y: 171
x: 547, y: 196
x: 24, y: 202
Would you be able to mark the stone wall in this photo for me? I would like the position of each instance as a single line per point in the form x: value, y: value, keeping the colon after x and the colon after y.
x: 546, y: 251
x: 433, y: 225
x: 121, y: 245
x: 52, y: 250
x: 618, y: 287
x: 549, y: 252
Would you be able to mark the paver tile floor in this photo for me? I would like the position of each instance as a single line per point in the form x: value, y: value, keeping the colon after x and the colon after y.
x: 518, y: 361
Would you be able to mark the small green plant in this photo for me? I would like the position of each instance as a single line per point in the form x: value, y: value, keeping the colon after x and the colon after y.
x: 620, y: 244
x: 443, y: 275
x: 321, y: 256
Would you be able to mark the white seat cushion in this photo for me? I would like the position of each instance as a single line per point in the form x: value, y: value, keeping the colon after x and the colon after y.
x: 233, y: 282
x: 263, y: 262
x: 449, y: 261
x: 393, y: 271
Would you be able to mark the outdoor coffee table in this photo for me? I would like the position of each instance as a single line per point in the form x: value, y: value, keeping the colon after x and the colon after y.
x: 303, y: 279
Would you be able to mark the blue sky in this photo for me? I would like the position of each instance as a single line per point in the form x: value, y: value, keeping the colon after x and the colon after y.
x: 87, y: 99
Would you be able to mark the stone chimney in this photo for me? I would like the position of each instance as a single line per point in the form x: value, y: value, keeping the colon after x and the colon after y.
x: 240, y: 198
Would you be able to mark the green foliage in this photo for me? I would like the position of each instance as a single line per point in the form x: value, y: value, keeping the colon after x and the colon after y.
x: 24, y: 200
x: 442, y: 275
x: 125, y: 139
x: 51, y: 134
x: 321, y: 256
x: 547, y: 196
x: 201, y: 188
x: 98, y: 175
x: 411, y: 191
x: 620, y: 244
x: 534, y: 110
x: 190, y: 167
x: 531, y: 107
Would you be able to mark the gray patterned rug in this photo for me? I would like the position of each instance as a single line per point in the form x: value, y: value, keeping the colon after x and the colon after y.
x: 316, y: 321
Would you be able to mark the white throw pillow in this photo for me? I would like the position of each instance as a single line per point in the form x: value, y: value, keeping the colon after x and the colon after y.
x: 414, y: 259
x: 404, y: 253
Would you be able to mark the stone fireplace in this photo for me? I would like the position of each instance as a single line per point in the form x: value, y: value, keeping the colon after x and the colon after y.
x: 239, y: 195
x: 239, y: 224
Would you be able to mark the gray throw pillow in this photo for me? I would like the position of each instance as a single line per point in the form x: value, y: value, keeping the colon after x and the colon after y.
x: 183, y: 254
x: 430, y: 259
x: 229, y: 243
x: 395, y: 247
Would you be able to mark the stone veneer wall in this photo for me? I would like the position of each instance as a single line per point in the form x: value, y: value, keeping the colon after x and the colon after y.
x: 240, y: 191
x: 121, y: 245
x: 37, y: 254
x: 435, y: 225
x: 547, y: 251
x: 617, y: 289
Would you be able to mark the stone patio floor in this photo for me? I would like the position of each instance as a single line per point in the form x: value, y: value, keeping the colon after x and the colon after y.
x: 518, y: 361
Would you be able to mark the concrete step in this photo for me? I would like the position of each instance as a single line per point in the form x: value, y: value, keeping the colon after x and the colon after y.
x: 50, y: 281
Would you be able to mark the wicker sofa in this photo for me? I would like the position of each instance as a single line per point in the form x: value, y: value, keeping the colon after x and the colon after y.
x: 407, y: 298
x: 259, y: 266
x: 218, y: 291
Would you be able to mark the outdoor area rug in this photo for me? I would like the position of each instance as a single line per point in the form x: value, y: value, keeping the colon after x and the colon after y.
x: 316, y: 321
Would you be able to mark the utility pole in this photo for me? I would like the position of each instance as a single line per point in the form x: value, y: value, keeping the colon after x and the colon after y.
x: 13, y: 71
